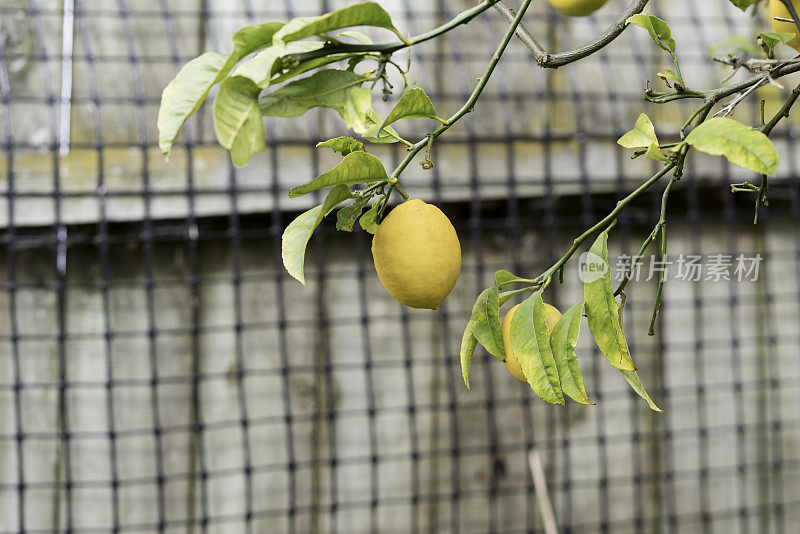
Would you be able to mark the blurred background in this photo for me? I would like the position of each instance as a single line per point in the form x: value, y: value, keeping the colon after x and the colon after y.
x: 160, y: 372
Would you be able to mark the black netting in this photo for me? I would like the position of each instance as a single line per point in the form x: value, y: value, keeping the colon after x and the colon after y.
x: 159, y: 370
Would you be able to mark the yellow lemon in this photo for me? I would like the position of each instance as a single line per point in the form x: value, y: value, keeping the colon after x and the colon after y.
x: 777, y: 9
x: 577, y: 8
x: 417, y: 254
x: 552, y: 315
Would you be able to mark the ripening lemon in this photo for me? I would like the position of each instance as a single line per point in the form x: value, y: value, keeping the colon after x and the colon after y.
x: 552, y: 315
x: 417, y: 254
x: 578, y: 8
x: 777, y: 9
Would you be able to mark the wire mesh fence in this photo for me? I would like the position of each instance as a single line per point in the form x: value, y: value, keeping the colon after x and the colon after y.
x: 159, y: 371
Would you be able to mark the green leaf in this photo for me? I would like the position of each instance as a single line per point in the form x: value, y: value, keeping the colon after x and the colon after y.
x: 601, y: 308
x: 659, y: 30
x: 504, y: 278
x: 187, y: 91
x: 413, y: 104
x: 337, y: 89
x: 743, y: 4
x: 505, y: 296
x: 253, y: 37
x: 296, y: 236
x: 356, y: 168
x: 264, y: 65
x: 769, y: 40
x: 742, y: 145
x: 237, y: 121
x: 342, y: 145
x: 376, y: 133
x: 294, y: 240
x: 563, y: 341
x: 347, y: 216
x: 291, y: 68
x: 643, y: 135
x: 486, y: 322
x: 670, y: 74
x: 531, y: 345
x: 358, y: 36
x: 365, y: 14
x: 633, y: 379
x: 369, y: 221
x: 468, y: 344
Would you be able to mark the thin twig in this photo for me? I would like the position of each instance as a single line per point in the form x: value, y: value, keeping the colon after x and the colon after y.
x: 607, y: 220
x: 661, y: 227
x: 553, y: 61
x: 470, y: 103
x: 782, y: 113
x: 389, y: 48
x: 754, y: 64
x: 727, y: 110
x: 718, y: 94
x: 635, y: 260
x: 522, y: 32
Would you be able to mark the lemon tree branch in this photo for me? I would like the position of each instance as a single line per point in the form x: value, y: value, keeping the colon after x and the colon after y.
x: 782, y: 113
x: 555, y: 60
x: 660, y: 226
x: 605, y: 222
x: 544, y: 59
x: 389, y: 48
x: 715, y: 95
x: 473, y: 98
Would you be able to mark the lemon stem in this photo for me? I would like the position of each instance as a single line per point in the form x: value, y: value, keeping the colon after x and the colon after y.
x: 401, y: 191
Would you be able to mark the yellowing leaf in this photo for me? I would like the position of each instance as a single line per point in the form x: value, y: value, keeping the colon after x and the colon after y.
x: 531, y: 345
x: 468, y: 344
x: 563, y: 341
x: 643, y: 135
x: 742, y: 145
x: 601, y: 308
x: 633, y: 379
x: 486, y: 323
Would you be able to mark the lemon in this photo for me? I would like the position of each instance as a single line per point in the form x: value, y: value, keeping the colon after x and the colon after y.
x: 777, y: 9
x: 552, y: 315
x: 577, y: 8
x: 417, y: 254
